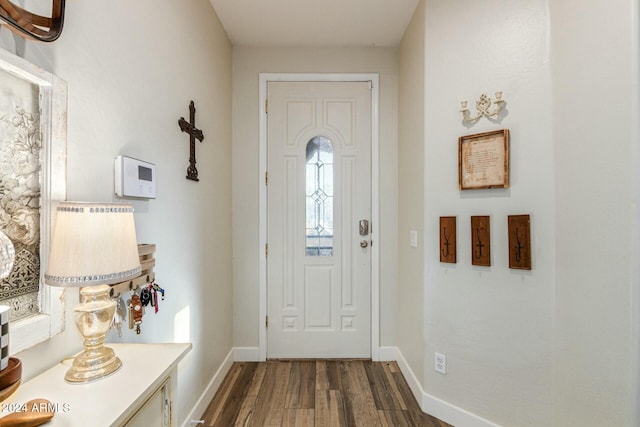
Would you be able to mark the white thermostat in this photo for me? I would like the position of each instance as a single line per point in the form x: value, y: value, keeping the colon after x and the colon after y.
x: 135, y: 178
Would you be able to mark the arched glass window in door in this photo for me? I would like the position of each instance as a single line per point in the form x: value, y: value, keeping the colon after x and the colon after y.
x: 319, y: 197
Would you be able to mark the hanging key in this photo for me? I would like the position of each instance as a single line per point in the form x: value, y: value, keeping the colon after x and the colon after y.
x: 145, y: 296
x: 159, y: 289
x: 156, y: 303
x: 130, y: 315
x: 136, y: 314
x: 118, y: 317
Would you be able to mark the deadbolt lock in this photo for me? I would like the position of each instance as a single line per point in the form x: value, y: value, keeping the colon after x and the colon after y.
x: 364, y: 227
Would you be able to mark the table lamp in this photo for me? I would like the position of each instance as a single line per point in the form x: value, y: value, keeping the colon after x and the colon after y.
x: 93, y: 245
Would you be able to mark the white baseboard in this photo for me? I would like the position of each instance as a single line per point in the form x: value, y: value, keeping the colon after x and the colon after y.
x: 437, y: 407
x: 387, y: 354
x: 452, y: 414
x: 210, y: 391
x: 246, y: 354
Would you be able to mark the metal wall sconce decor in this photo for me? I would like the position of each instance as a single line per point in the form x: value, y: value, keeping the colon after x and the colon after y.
x: 31, y: 25
x: 482, y: 108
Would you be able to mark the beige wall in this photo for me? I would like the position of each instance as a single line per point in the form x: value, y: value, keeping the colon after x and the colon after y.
x: 247, y: 64
x: 557, y: 345
x: 494, y: 324
x: 554, y: 346
x: 411, y: 100
x: 596, y: 155
x: 132, y: 69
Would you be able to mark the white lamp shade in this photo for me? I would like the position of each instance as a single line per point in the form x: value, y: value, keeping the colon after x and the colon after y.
x: 92, y: 244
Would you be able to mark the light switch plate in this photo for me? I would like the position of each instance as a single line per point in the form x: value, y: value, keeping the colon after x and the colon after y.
x: 413, y: 238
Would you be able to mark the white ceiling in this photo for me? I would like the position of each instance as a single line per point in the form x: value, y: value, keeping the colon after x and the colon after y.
x: 290, y: 23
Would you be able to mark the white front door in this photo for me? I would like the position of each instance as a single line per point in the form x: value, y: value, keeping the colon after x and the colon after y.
x: 318, y: 196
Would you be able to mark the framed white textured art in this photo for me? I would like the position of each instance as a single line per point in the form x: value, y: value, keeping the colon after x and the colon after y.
x: 33, y: 115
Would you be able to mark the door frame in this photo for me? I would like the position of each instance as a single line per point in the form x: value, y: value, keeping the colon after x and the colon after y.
x: 265, y: 78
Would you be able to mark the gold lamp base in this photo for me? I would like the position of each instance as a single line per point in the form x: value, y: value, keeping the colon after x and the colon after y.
x: 93, y: 318
x: 92, y: 366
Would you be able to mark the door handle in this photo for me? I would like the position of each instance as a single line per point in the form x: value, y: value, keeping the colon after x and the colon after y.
x: 364, y: 243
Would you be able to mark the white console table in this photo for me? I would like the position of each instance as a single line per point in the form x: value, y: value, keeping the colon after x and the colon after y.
x: 139, y: 394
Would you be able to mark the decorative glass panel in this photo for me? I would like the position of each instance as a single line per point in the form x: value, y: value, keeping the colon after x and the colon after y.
x: 319, y: 197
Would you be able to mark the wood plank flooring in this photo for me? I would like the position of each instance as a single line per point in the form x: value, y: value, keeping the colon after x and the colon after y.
x: 318, y: 393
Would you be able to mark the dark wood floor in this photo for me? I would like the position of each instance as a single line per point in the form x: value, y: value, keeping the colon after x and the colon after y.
x: 316, y: 393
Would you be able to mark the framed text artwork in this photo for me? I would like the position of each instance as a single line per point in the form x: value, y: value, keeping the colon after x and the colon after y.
x: 483, y: 160
x: 481, y: 241
x: 519, y: 227
x: 448, y: 248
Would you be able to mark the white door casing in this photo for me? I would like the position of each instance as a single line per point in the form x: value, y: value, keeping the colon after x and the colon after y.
x: 319, y: 288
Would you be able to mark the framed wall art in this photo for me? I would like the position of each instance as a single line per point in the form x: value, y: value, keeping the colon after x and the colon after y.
x: 483, y: 160
x: 519, y: 227
x: 481, y: 241
x: 448, y: 250
x: 33, y: 120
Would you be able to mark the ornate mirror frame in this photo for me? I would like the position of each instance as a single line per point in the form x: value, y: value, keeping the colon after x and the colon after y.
x: 52, y: 99
x: 31, y: 25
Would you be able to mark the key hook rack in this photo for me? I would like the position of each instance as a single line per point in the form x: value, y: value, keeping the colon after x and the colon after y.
x: 147, y: 262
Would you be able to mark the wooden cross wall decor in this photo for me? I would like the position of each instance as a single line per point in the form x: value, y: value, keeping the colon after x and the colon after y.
x: 194, y: 133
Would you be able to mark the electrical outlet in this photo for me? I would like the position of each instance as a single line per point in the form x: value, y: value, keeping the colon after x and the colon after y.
x: 441, y: 363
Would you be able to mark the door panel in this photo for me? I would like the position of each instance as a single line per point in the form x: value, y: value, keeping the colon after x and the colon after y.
x: 319, y: 165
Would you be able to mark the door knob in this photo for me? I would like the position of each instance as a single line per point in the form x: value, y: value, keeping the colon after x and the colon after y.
x: 364, y: 243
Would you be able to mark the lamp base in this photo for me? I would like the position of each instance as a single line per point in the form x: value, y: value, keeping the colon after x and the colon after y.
x: 91, y: 366
x: 93, y: 318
